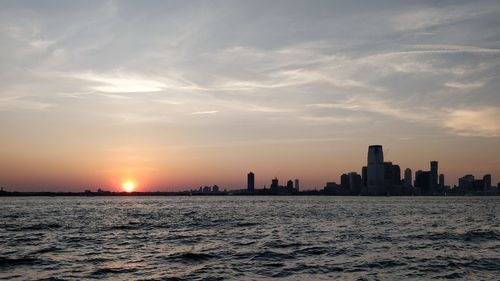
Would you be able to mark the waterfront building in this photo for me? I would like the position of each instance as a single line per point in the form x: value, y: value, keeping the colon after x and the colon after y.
x: 250, y: 182
x: 375, y: 170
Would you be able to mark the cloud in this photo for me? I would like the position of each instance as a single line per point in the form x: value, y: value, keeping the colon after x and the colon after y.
x: 19, y: 103
x: 335, y: 119
x: 120, y: 83
x: 465, y: 85
x: 205, y: 112
x: 427, y: 17
x: 474, y: 122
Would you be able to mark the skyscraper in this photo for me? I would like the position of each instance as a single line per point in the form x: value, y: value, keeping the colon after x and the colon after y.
x: 441, y: 181
x: 433, y: 177
x: 250, y: 182
x: 297, y: 185
x: 408, y: 180
x: 487, y: 182
x: 375, y: 170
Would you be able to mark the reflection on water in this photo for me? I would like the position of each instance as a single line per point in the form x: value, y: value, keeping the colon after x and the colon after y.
x: 250, y: 238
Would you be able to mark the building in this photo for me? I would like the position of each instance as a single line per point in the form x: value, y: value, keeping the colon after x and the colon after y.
x: 422, y: 182
x: 289, y: 185
x: 487, y: 182
x: 274, y: 185
x: 250, y: 182
x: 355, y: 183
x: 375, y: 170
x: 297, y: 186
x: 434, y: 177
x: 331, y: 188
x: 364, y: 176
x: 441, y: 181
x: 215, y: 189
x: 466, y: 183
x: 408, y: 177
x: 344, y: 182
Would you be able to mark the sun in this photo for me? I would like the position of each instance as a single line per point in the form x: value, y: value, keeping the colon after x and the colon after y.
x: 128, y: 186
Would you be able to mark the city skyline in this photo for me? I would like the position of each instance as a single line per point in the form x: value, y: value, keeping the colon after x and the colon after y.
x: 179, y: 94
x: 376, y: 177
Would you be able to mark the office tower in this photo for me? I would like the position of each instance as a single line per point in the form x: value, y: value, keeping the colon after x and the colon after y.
x: 433, y: 177
x: 441, y: 181
x: 466, y: 183
x: 297, y: 184
x: 251, y: 182
x: 422, y: 181
x: 344, y: 182
x: 408, y: 177
x: 289, y: 185
x: 274, y: 184
x: 487, y: 182
x: 396, y: 175
x: 364, y: 176
x: 355, y: 183
x: 215, y: 188
x: 375, y: 170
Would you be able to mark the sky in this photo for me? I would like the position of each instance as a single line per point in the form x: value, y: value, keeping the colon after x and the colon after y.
x: 177, y: 94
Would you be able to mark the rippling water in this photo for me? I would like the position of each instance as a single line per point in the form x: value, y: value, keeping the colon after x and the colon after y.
x: 214, y: 238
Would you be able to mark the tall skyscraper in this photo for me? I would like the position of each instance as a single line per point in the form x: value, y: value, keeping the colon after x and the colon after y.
x: 297, y: 186
x: 433, y: 177
x: 375, y: 170
x: 250, y: 182
x: 408, y: 180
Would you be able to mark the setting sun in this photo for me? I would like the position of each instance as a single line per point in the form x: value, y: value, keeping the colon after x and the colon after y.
x: 128, y: 186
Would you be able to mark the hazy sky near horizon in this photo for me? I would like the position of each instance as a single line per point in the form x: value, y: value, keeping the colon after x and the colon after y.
x: 177, y: 94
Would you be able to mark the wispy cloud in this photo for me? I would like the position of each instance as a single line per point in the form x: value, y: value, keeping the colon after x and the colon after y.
x: 120, y: 83
x: 14, y: 103
x: 426, y: 17
x: 205, y: 112
x: 465, y: 85
x: 474, y: 122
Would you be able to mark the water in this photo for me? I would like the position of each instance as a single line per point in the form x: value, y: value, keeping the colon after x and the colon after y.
x: 216, y: 238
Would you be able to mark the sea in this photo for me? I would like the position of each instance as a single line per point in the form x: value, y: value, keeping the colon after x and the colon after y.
x: 249, y: 238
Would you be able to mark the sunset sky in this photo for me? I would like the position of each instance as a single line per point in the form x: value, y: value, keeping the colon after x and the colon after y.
x: 172, y: 95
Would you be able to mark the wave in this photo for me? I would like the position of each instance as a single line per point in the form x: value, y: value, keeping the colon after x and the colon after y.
x: 7, y: 262
x: 190, y: 257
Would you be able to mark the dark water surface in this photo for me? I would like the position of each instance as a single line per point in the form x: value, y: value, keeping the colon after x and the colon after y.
x: 216, y: 238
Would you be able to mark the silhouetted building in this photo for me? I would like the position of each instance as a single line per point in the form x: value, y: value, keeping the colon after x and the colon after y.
x: 274, y: 185
x: 250, y: 182
x: 441, y: 181
x: 422, y: 182
x: 297, y: 186
x: 364, y: 176
x: 408, y: 178
x: 375, y: 170
x: 215, y: 188
x: 433, y: 177
x: 289, y: 185
x: 487, y: 182
x: 331, y: 188
x: 355, y: 183
x: 344, y: 182
x: 466, y: 183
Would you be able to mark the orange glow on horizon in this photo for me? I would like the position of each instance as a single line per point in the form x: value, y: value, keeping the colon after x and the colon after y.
x: 128, y: 186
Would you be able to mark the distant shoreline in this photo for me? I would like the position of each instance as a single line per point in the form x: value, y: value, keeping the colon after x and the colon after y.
x: 228, y: 193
